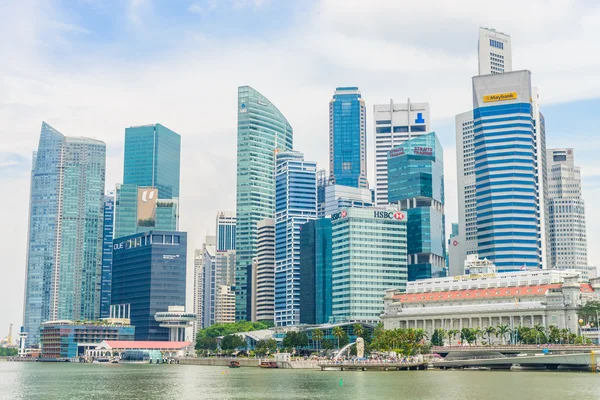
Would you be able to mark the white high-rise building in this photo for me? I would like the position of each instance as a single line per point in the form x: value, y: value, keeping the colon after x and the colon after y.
x: 494, y: 52
x: 198, y: 288
x: 394, y: 124
x: 209, y: 259
x: 568, y: 241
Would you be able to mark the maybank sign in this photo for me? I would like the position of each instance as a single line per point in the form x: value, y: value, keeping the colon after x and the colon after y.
x: 499, y: 97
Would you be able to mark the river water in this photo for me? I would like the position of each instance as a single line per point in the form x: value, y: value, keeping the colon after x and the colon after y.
x: 152, y: 382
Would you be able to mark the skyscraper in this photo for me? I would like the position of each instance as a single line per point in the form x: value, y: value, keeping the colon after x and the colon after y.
x: 262, y: 129
x: 348, y: 138
x: 568, y: 239
x: 296, y: 203
x: 416, y: 182
x: 506, y: 183
x: 395, y: 123
x: 225, y: 231
x: 209, y: 290
x: 149, y: 196
x: 198, y: 290
x: 107, y: 249
x: 494, y: 52
x: 263, y: 295
x: 64, y: 249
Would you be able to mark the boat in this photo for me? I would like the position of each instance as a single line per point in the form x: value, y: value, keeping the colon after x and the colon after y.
x: 234, y: 364
x: 268, y: 364
x: 101, y: 360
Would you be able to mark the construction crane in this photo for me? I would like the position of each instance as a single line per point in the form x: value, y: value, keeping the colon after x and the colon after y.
x: 9, y: 340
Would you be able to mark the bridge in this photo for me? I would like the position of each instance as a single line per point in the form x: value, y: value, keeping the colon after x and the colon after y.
x: 495, y: 360
x: 371, y: 365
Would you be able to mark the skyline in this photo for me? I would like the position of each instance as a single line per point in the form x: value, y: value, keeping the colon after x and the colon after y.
x: 91, y: 102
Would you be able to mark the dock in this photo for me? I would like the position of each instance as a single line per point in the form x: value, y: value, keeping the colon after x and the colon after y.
x: 371, y: 366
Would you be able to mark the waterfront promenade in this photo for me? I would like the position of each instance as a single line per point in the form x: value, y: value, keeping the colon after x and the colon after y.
x: 370, y: 365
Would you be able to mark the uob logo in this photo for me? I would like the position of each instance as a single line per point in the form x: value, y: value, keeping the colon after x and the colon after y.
x: 147, y: 195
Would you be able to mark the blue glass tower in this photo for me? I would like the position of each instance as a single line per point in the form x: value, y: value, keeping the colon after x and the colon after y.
x: 262, y: 129
x: 506, y: 182
x: 347, y: 138
x: 64, y: 250
x: 295, y: 204
x: 107, y: 249
x: 225, y: 231
x: 416, y: 182
x: 316, y: 272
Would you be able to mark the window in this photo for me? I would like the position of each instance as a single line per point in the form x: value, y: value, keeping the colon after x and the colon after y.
x: 398, y: 129
x: 383, y: 129
x: 417, y: 128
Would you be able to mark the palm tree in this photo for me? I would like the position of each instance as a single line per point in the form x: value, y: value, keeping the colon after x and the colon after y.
x: 358, y: 330
x: 502, y: 330
x: 338, y: 332
x: 452, y: 334
x: 420, y: 334
x: 478, y: 333
x: 564, y: 335
x: 490, y: 330
x: 317, y: 336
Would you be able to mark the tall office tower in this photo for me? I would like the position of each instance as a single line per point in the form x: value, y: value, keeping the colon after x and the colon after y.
x: 368, y: 257
x: 494, y: 52
x: 225, y: 264
x: 209, y: 290
x: 149, y: 271
x: 225, y: 281
x: 198, y: 290
x: 315, y: 272
x: 148, y: 199
x: 338, y: 197
x: 107, y: 249
x: 456, y: 255
x: 395, y: 124
x: 539, y: 127
x: 348, y: 138
x: 568, y: 242
x: 262, y: 129
x: 416, y: 183
x: 64, y: 248
x: 224, y: 305
x: 296, y: 203
x: 322, y: 183
x: 263, y: 293
x: 506, y: 184
x: 225, y: 231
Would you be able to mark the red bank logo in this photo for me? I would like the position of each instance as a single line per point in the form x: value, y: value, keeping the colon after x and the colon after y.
x: 399, y: 216
x: 344, y: 213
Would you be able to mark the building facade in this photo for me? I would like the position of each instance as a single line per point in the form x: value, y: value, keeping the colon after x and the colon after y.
x: 107, y: 248
x: 568, y: 239
x: 262, y: 129
x: 263, y: 294
x: 64, y: 247
x: 416, y: 183
x: 336, y: 197
x: 225, y: 231
x: 149, y: 274
x: 494, y: 52
x: 369, y: 256
x: 210, y: 280
x: 395, y: 123
x: 316, y: 265
x: 348, y: 138
x: 296, y: 203
x: 198, y: 291
x: 225, y: 305
x: 506, y: 178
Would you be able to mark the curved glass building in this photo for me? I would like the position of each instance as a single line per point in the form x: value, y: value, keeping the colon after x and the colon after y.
x: 262, y: 130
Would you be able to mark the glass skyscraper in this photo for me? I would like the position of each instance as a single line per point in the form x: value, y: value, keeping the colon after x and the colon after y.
x: 506, y: 179
x: 296, y: 203
x: 64, y: 250
x: 225, y: 231
x: 262, y: 129
x: 315, y: 272
x: 347, y: 138
x: 416, y: 182
x: 149, y: 196
x: 107, y: 249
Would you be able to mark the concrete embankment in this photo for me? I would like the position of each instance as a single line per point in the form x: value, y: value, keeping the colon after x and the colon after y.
x: 247, y: 362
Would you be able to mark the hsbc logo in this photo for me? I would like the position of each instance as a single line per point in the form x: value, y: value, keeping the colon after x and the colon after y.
x: 400, y: 216
x: 389, y: 215
x: 344, y: 213
x: 341, y: 214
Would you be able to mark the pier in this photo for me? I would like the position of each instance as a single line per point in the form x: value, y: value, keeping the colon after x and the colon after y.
x: 370, y: 365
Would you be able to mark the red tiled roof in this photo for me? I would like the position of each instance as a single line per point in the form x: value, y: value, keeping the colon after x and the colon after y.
x: 132, y: 344
x: 478, y: 294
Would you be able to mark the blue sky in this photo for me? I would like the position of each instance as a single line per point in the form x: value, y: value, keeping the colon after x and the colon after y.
x: 93, y: 67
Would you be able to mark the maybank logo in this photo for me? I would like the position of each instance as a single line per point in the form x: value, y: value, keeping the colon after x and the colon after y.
x: 500, y: 97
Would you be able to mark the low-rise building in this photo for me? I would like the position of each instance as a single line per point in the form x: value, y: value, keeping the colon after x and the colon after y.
x: 135, y: 351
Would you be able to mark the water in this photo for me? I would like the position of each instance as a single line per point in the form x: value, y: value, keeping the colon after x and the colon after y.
x: 152, y: 382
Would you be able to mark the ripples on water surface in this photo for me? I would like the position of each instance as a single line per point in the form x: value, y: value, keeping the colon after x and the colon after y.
x: 152, y: 382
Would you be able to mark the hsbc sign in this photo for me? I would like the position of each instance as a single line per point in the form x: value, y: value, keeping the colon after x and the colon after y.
x: 400, y: 216
x: 341, y: 214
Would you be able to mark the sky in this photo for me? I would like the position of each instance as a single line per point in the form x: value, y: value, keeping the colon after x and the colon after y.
x: 94, y: 67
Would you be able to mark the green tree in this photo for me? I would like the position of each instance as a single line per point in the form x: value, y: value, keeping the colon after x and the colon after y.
x: 328, y: 344
x: 317, y: 336
x: 452, y: 333
x: 232, y: 342
x: 338, y: 332
x: 206, y: 343
x: 358, y: 330
x: 437, y: 339
x: 467, y: 335
x: 489, y: 331
x: 502, y: 330
x: 265, y: 346
x: 589, y: 312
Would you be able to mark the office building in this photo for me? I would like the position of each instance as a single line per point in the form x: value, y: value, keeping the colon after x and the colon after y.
x: 295, y: 204
x: 107, y: 249
x: 262, y: 129
x: 494, y: 52
x: 456, y: 255
x: 149, y: 273
x: 224, y: 305
x: 315, y: 272
x: 506, y: 178
x: 209, y: 290
x: 176, y: 320
x: 64, y: 247
x: 394, y: 124
x: 416, y: 183
x: 337, y: 197
x: 148, y: 198
x: 348, y: 138
x: 369, y: 256
x: 568, y: 239
x: 225, y: 261
x: 225, y: 231
x: 198, y: 290
x: 263, y: 293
